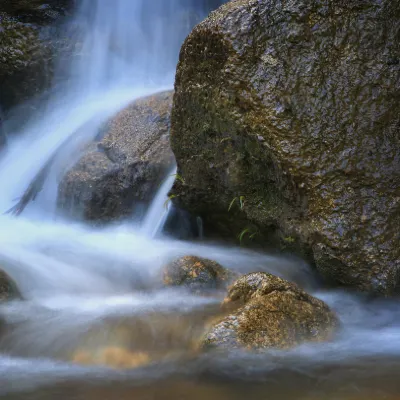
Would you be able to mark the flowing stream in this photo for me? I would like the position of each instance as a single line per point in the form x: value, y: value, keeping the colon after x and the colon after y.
x: 89, y: 288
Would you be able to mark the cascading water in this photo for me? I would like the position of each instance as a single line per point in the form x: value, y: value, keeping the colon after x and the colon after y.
x: 84, y: 286
x: 158, y: 212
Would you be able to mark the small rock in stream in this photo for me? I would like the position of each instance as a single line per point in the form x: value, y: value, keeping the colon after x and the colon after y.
x: 272, y: 313
x: 197, y: 274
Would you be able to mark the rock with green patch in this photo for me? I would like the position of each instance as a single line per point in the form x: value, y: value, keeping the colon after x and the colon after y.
x: 197, y: 274
x: 294, y: 106
x: 125, y: 167
x: 272, y: 313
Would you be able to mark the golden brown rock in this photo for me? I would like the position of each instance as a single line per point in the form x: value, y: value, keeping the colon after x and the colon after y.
x: 275, y: 314
x: 114, y: 357
x: 197, y: 274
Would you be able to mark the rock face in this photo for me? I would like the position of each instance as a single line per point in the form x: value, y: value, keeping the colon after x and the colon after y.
x: 8, y: 289
x: 125, y: 167
x: 197, y: 274
x: 28, y: 44
x: 294, y: 108
x: 275, y: 314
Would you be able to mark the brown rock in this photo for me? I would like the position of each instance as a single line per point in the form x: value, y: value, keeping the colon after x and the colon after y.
x: 114, y: 357
x: 125, y: 167
x: 197, y: 274
x: 273, y: 313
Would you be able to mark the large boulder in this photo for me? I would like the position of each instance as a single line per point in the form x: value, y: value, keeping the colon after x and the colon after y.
x: 292, y: 109
x: 29, y: 43
x: 274, y: 314
x: 125, y: 167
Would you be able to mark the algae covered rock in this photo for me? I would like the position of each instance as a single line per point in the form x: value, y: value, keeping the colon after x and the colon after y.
x: 274, y: 314
x: 294, y: 107
x: 125, y: 167
x: 197, y: 274
x: 8, y: 289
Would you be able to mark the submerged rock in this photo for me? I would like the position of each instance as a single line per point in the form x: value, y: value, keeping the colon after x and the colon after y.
x: 125, y: 167
x: 197, y: 274
x: 273, y: 313
x: 294, y: 107
x: 114, y: 357
x: 8, y: 289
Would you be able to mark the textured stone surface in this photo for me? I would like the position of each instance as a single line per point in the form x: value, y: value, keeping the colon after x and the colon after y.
x: 295, y: 107
x: 273, y: 314
x: 197, y: 274
x: 125, y: 167
x: 29, y: 42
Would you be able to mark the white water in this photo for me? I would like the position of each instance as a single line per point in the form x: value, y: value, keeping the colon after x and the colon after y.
x: 73, y: 276
x: 159, y: 209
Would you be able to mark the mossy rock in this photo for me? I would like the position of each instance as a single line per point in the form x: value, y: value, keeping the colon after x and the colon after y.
x: 197, y: 274
x: 8, y: 288
x: 272, y: 313
x: 294, y: 107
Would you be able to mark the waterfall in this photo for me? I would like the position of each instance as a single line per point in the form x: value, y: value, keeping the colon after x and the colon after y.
x: 158, y: 212
x: 125, y: 49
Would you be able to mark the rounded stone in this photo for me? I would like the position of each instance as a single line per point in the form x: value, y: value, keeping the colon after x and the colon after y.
x: 272, y: 313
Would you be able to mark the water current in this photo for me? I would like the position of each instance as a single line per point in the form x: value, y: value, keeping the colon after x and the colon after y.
x: 87, y: 288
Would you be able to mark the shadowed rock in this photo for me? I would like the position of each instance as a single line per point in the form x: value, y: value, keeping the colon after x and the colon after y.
x: 8, y: 289
x: 273, y: 313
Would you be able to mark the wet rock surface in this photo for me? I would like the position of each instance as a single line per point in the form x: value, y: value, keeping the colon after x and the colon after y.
x: 273, y: 313
x: 294, y: 107
x: 29, y: 43
x: 8, y: 289
x: 197, y: 274
x: 125, y: 167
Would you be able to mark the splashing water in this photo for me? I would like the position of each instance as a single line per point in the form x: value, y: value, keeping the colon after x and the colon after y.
x: 82, y: 284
